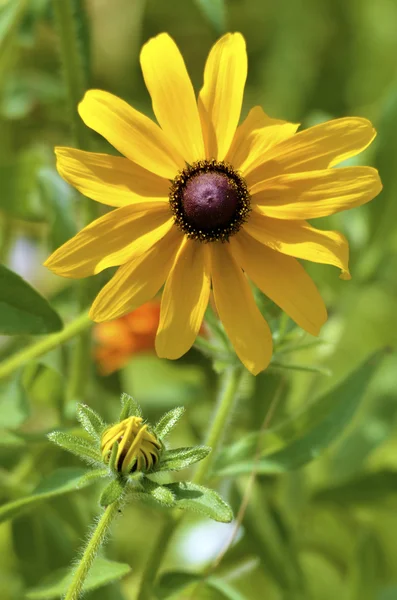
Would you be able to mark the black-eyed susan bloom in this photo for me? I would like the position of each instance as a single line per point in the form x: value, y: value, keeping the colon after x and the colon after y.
x: 202, y: 203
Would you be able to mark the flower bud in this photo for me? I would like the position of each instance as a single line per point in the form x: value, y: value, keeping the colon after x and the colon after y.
x: 138, y: 448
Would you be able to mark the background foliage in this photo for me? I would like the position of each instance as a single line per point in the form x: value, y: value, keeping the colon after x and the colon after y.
x: 321, y: 522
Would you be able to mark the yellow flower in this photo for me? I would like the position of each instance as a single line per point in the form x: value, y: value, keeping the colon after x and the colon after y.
x: 138, y: 449
x: 204, y: 203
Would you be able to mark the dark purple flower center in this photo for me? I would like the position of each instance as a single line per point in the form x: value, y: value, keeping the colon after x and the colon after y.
x: 209, y: 200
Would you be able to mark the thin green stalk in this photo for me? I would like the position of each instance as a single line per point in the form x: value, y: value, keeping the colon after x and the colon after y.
x: 80, y: 324
x: 66, y: 14
x: 79, y: 368
x: 292, y: 367
x: 155, y: 559
x: 72, y: 61
x: 223, y: 410
x: 91, y: 550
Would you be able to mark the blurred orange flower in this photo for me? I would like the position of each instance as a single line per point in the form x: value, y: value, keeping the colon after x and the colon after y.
x: 118, y: 340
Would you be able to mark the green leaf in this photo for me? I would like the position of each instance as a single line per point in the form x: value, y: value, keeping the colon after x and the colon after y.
x: 130, y: 408
x: 14, y: 405
x: 371, y: 430
x: 168, y: 422
x: 103, y: 572
x: 91, y: 421
x: 180, y: 458
x: 160, y: 493
x: 84, y: 449
x: 370, y: 488
x: 174, y: 582
x: 22, y: 309
x: 225, y: 589
x: 268, y: 540
x: 60, y: 482
x: 190, y: 496
x: 304, y: 437
x: 92, y: 476
x: 215, y: 12
x: 112, y: 492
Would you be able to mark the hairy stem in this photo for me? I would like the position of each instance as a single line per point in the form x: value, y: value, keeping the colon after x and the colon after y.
x: 223, y: 410
x: 91, y: 550
x: 80, y: 324
x: 70, y: 48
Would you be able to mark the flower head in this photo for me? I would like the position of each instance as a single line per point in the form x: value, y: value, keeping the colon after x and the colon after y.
x: 203, y: 203
x: 117, y: 341
x: 137, y: 448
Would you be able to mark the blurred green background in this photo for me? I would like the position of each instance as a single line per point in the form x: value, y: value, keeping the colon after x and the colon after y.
x: 323, y: 530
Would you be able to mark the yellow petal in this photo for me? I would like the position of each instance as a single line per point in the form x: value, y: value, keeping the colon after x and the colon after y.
x: 318, y: 147
x: 221, y: 96
x: 241, y: 318
x: 112, y: 240
x: 112, y: 180
x: 184, y: 300
x: 299, y: 239
x: 131, y: 132
x: 137, y: 281
x: 316, y: 193
x: 283, y: 280
x: 255, y: 136
x: 173, y: 98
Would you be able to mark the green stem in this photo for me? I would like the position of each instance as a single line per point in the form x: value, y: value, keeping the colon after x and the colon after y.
x: 81, y: 323
x: 91, y: 551
x: 79, y: 368
x: 73, y: 68
x: 223, y: 410
x: 159, y: 549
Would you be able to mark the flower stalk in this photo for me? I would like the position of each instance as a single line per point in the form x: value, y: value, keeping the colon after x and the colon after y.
x: 65, y: 15
x: 91, y: 551
x: 222, y: 414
